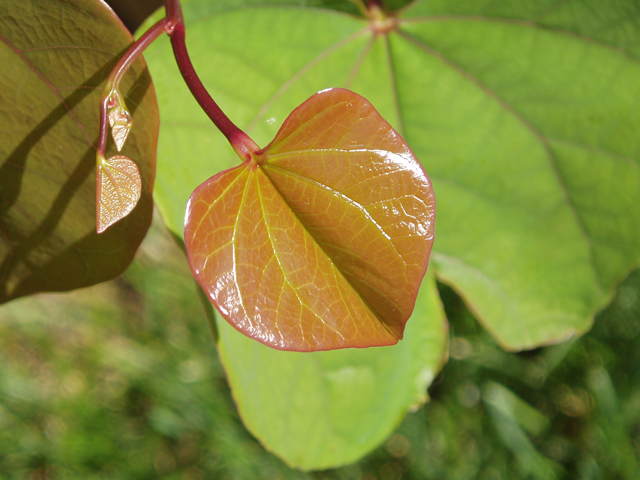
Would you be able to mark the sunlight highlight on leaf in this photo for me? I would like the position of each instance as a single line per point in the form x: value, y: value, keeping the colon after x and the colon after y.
x: 118, y: 190
x: 322, y: 239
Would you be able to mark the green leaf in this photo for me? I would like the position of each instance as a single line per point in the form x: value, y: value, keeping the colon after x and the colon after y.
x: 324, y: 409
x: 524, y: 114
x: 320, y: 240
x: 557, y: 113
x: 54, y: 56
x: 528, y: 134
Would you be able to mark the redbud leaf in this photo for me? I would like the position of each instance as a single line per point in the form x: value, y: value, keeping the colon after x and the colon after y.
x: 55, y: 57
x: 524, y: 113
x: 118, y: 189
x: 319, y: 410
x: 322, y: 239
x: 119, y: 119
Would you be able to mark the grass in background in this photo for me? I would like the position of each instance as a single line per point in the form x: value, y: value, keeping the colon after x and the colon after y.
x: 122, y: 381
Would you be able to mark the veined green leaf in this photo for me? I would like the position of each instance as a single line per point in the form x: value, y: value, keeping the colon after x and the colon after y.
x: 525, y: 115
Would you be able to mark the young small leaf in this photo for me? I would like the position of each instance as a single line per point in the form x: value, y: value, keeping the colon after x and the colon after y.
x: 321, y: 240
x: 119, y: 119
x: 118, y: 190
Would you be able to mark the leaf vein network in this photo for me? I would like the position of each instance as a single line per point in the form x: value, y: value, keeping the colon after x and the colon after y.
x: 340, y: 195
x: 300, y: 73
x: 275, y: 250
x: 51, y: 87
x: 525, y: 123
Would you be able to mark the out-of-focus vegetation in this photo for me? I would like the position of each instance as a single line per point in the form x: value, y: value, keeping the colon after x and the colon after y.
x: 122, y: 381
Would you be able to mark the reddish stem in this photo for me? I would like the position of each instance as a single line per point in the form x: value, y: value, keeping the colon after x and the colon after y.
x: 113, y: 81
x: 173, y: 25
x: 240, y: 141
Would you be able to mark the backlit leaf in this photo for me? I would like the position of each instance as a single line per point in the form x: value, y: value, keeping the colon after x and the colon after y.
x: 118, y: 190
x: 321, y: 240
x: 119, y: 119
x: 54, y: 57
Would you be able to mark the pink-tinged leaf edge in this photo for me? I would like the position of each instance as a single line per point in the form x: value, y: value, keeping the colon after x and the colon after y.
x: 321, y: 240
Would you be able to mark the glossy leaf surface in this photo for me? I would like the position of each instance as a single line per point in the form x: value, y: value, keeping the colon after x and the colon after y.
x: 321, y: 241
x: 54, y: 57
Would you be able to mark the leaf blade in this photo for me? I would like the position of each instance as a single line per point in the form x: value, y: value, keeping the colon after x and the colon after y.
x: 342, y: 402
x: 574, y: 106
x: 282, y: 258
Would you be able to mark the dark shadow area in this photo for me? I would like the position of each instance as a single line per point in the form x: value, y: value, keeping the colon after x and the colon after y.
x: 11, y: 177
x: 134, y: 12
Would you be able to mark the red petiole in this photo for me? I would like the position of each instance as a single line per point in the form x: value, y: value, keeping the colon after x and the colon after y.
x: 117, y: 194
x: 173, y: 25
x: 240, y: 141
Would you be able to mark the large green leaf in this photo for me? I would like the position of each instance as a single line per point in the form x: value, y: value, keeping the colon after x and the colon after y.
x: 524, y: 114
x: 558, y: 114
x: 54, y: 57
x: 529, y: 133
x: 324, y: 409
x: 344, y: 402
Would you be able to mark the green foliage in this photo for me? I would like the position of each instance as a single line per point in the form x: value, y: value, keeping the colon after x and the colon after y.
x: 525, y: 119
x: 343, y: 403
x: 532, y: 156
x: 54, y: 58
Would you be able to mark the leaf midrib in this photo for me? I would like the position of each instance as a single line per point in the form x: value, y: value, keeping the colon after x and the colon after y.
x: 334, y: 268
x: 276, y: 256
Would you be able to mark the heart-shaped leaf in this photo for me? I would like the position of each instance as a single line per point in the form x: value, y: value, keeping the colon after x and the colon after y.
x: 321, y: 240
x: 118, y: 189
x: 54, y: 57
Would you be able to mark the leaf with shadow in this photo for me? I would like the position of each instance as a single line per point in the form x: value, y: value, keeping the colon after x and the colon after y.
x: 49, y: 120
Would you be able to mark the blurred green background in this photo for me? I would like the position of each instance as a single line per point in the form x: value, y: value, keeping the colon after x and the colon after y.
x: 122, y: 380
